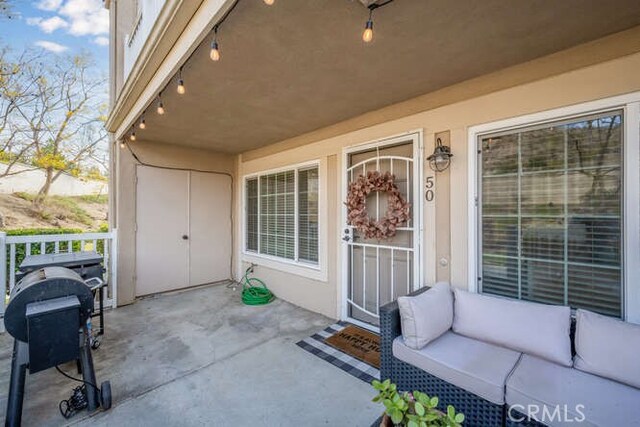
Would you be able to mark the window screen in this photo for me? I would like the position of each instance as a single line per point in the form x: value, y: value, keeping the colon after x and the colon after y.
x: 252, y: 214
x: 308, y: 214
x: 282, y: 214
x: 551, y: 213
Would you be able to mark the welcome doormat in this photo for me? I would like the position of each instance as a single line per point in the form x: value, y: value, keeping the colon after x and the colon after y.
x: 316, y: 344
x: 358, y: 342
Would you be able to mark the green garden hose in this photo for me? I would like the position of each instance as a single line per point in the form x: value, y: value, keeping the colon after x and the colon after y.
x: 254, y: 291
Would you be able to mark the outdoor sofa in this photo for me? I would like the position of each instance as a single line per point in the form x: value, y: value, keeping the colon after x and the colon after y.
x: 497, y: 359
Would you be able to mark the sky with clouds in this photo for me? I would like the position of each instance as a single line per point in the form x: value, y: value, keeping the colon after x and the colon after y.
x: 59, y: 26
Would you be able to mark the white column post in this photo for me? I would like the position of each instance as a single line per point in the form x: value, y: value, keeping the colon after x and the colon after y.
x: 113, y: 268
x: 3, y: 272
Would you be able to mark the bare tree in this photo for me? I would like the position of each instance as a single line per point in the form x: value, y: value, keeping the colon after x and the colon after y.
x: 18, y: 84
x: 53, y: 109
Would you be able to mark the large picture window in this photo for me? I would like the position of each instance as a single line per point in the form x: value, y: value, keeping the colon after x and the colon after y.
x: 551, y: 213
x: 282, y: 214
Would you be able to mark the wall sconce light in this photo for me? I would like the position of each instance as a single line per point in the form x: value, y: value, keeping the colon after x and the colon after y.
x: 440, y: 160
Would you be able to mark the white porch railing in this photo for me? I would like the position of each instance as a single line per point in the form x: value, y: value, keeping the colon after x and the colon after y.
x: 13, y: 249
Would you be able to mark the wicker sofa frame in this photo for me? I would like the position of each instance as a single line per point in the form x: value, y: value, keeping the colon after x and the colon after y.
x: 477, y: 411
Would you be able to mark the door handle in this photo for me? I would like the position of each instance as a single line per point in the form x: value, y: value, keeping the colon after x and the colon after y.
x: 185, y: 237
x: 346, y: 238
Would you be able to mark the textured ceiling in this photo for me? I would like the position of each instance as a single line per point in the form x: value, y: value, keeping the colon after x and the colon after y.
x: 298, y: 66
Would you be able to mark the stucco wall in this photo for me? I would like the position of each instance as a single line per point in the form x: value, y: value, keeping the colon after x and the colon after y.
x: 30, y: 181
x: 594, y: 82
x: 160, y: 155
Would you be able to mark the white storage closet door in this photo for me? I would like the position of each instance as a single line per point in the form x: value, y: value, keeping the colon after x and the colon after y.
x: 162, y: 255
x: 210, y: 228
x: 184, y: 230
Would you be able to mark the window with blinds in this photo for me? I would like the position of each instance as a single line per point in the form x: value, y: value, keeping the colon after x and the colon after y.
x: 282, y: 214
x: 551, y: 213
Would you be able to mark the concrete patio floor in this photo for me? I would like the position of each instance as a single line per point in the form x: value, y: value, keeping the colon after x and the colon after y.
x: 200, y: 357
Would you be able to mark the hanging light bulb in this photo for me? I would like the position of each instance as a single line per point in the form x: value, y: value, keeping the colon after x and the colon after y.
x: 367, y: 35
x: 269, y: 2
x: 122, y: 144
x: 132, y: 137
x: 160, y: 109
x: 142, y: 124
x: 214, y: 54
x: 181, y: 90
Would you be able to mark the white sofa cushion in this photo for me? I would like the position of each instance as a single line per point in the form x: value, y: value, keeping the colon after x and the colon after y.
x: 538, y: 329
x: 478, y: 367
x: 426, y: 316
x: 540, y: 383
x: 608, y: 347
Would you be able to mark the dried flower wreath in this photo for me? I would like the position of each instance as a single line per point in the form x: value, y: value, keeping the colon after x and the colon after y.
x: 397, y: 210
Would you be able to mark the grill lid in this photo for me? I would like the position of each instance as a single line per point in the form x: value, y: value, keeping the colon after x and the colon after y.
x: 42, y: 285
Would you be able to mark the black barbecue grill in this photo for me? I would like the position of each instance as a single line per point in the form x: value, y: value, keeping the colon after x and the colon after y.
x: 47, y: 315
x: 88, y: 264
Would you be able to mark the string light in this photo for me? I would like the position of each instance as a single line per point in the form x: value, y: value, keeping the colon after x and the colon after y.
x: 132, y: 136
x: 122, y: 144
x: 367, y: 35
x: 181, y: 90
x: 160, y: 109
x: 214, y: 54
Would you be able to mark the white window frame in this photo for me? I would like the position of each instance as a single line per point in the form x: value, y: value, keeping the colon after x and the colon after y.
x: 630, y: 105
x: 316, y: 271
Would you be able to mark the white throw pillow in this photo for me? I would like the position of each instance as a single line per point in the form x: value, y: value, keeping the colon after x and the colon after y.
x: 426, y: 316
x: 536, y: 329
x: 608, y: 347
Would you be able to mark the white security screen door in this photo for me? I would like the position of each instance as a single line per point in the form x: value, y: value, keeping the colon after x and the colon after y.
x: 379, y: 271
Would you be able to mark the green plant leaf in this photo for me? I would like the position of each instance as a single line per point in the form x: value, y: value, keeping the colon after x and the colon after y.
x: 434, y: 401
x: 424, y: 399
x: 419, y: 408
x: 451, y: 413
x: 396, y: 416
x: 459, y: 418
x: 412, y: 424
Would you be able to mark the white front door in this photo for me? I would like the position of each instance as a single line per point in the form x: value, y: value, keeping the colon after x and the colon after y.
x: 379, y: 271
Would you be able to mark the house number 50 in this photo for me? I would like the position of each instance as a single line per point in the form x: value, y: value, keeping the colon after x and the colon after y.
x: 429, y: 184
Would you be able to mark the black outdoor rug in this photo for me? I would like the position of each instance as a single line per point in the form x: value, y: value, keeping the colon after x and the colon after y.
x: 315, y: 345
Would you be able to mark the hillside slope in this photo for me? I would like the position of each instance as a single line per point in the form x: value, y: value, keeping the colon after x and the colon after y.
x: 83, y: 212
